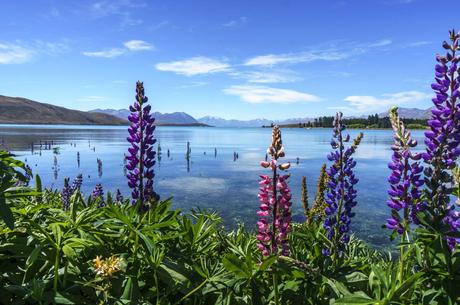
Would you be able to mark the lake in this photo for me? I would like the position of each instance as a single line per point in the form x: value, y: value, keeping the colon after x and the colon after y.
x: 208, y: 180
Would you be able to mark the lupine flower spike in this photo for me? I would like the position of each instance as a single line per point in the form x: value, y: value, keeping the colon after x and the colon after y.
x: 98, y: 195
x: 141, y: 158
x: 68, y: 190
x: 275, y: 203
x: 316, y: 213
x: 405, y: 179
x: 66, y: 194
x: 304, y: 196
x: 341, y: 195
x: 119, y: 197
x: 443, y: 138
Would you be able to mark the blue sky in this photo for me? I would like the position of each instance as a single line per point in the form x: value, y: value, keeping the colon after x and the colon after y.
x: 232, y: 59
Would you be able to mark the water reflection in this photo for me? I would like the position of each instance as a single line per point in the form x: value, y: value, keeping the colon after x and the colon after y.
x: 225, y: 178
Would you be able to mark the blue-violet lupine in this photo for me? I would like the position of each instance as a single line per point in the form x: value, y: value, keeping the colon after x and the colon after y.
x: 66, y: 194
x: 119, y: 197
x: 340, y: 194
x: 98, y: 195
x: 405, y: 179
x: 141, y: 157
x: 68, y: 190
x: 443, y: 138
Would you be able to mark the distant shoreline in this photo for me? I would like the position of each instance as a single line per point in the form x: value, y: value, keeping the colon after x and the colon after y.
x: 120, y: 124
x: 357, y: 128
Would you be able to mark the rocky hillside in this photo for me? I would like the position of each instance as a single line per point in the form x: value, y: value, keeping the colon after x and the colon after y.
x: 18, y: 110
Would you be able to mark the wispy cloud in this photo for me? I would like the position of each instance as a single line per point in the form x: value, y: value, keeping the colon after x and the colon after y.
x: 332, y: 53
x: 267, y: 76
x: 121, y: 8
x: 293, y: 58
x: 110, y: 53
x: 367, y: 103
x: 93, y: 98
x: 261, y: 94
x: 129, y: 46
x: 236, y: 22
x: 194, y: 66
x: 380, y: 43
x: 18, y: 52
x: 159, y: 25
x: 138, y: 45
x: 193, y: 85
x: 417, y: 44
x: 114, y: 7
x: 14, y: 54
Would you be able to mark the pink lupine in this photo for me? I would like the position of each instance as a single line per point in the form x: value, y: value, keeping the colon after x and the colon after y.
x: 275, y: 203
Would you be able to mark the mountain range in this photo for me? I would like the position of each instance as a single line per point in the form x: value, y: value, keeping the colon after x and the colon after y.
x: 170, y: 119
x: 182, y: 118
x: 410, y: 113
x: 18, y: 110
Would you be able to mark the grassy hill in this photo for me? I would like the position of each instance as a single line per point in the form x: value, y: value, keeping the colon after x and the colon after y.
x: 17, y: 110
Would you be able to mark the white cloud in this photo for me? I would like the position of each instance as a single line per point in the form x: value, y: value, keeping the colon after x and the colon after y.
x: 266, y: 77
x: 380, y: 43
x: 129, y: 46
x: 114, y: 7
x: 14, y: 54
x: 138, y: 45
x: 417, y: 44
x: 193, y: 85
x: 293, y: 58
x: 236, y: 22
x: 262, y: 94
x: 367, y: 103
x: 18, y: 53
x: 332, y: 53
x: 125, y: 10
x: 111, y: 53
x: 93, y: 98
x: 194, y: 66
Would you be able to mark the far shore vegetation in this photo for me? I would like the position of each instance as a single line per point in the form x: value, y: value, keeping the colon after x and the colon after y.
x: 371, y: 122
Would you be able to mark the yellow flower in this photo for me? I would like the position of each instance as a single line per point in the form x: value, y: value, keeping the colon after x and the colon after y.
x: 109, y: 266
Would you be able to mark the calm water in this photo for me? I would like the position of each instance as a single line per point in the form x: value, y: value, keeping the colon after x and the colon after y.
x: 208, y: 181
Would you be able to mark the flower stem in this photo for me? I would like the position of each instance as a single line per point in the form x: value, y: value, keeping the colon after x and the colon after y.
x: 275, y: 287
x: 56, y: 270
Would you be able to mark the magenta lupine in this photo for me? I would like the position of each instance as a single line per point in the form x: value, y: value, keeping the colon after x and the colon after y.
x: 405, y: 179
x: 275, y: 203
x: 443, y: 138
x: 141, y: 157
x: 341, y: 195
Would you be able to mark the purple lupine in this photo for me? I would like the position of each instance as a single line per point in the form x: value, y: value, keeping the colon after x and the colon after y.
x: 443, y: 138
x: 76, y: 185
x: 119, y: 197
x: 98, y: 195
x: 275, y: 203
x: 67, y: 192
x: 405, y: 179
x: 341, y: 195
x: 141, y: 157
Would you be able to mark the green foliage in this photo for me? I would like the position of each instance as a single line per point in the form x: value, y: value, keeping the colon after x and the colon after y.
x: 167, y: 257
x: 114, y: 255
x: 14, y: 175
